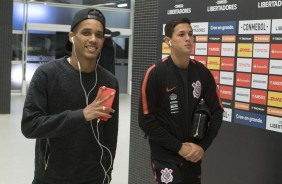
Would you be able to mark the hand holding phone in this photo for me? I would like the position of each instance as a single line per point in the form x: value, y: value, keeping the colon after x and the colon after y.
x: 105, y: 93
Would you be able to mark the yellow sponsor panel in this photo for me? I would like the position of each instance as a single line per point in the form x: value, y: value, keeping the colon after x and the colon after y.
x: 274, y: 99
x: 165, y: 48
x: 245, y: 50
x: 213, y: 63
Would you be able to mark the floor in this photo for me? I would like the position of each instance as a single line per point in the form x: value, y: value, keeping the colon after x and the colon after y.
x: 17, y: 152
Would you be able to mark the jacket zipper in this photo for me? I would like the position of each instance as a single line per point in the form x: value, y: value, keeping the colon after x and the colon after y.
x: 46, y: 157
x: 197, y: 130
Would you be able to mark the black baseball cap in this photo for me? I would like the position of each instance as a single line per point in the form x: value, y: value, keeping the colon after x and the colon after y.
x: 81, y: 15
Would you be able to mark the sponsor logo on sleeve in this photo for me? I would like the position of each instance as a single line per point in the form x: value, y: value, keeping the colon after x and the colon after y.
x: 245, y: 50
x: 200, y: 28
x: 274, y: 99
x: 228, y: 49
x: 227, y: 114
x: 227, y: 63
x: 213, y: 63
x: 174, y: 107
x: 226, y: 92
x: 275, y: 67
x: 261, y: 50
x: 275, y: 83
x: 242, y: 106
x: 259, y: 81
x: 276, y: 51
x: 242, y: 94
x: 227, y: 78
x: 244, y: 65
x: 274, y: 123
x: 215, y: 76
x: 276, y: 26
x: 258, y: 96
x: 249, y: 119
x: 214, y: 49
x: 260, y: 66
x: 243, y: 79
x: 254, y: 26
x: 201, y: 48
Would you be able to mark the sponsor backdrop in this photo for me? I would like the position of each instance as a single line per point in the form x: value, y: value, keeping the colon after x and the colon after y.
x: 241, y: 43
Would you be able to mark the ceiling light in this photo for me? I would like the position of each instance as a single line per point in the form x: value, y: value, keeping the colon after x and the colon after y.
x: 122, y: 3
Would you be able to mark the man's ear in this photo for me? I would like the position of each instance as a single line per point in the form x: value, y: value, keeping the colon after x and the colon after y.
x: 167, y: 41
x: 70, y: 35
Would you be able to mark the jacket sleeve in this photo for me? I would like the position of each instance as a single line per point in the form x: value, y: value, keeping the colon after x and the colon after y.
x: 36, y: 122
x: 148, y: 121
x: 212, y: 98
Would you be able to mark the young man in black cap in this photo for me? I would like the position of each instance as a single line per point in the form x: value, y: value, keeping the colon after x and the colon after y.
x: 171, y: 91
x: 63, y: 109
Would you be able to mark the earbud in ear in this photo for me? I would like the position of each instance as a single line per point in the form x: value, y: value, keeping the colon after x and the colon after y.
x: 169, y: 43
x: 72, y: 40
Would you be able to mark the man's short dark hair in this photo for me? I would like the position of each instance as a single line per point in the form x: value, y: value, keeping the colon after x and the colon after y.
x: 169, y: 27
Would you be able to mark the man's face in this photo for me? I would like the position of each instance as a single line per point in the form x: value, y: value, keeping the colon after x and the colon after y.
x: 182, y: 39
x: 88, y: 39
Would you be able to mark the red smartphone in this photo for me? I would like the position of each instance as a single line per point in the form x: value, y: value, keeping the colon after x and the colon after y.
x: 109, y: 102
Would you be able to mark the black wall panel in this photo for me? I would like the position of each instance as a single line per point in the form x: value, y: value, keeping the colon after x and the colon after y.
x: 6, y: 9
x: 144, y: 54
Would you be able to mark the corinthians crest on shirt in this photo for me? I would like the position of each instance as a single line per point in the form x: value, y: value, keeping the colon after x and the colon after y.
x: 173, y: 102
x: 166, y: 176
x: 197, y: 89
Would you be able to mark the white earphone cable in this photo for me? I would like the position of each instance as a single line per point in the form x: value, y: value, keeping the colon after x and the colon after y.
x: 91, y: 123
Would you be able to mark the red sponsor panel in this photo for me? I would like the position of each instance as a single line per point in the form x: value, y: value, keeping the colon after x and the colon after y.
x: 243, y: 79
x: 226, y: 92
x: 258, y: 96
x: 260, y: 66
x: 227, y: 63
x: 275, y: 83
x: 215, y: 76
x: 193, y: 49
x: 214, y: 49
x: 276, y: 51
x: 201, y: 59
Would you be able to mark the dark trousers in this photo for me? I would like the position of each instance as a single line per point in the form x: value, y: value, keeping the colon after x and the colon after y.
x: 171, y: 173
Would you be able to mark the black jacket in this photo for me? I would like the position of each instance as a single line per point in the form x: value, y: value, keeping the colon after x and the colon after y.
x: 66, y: 150
x: 165, y: 117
